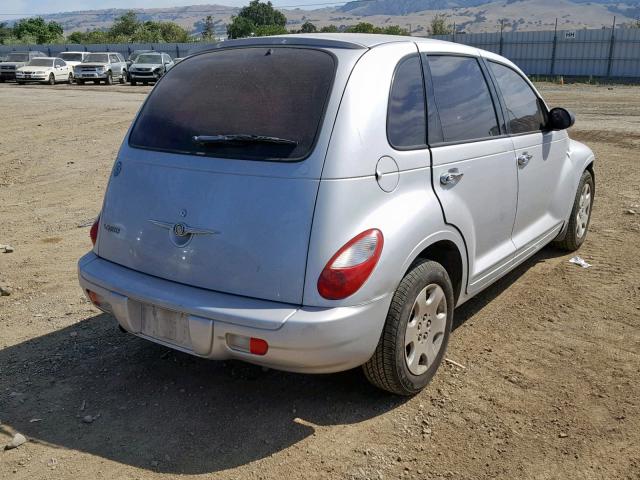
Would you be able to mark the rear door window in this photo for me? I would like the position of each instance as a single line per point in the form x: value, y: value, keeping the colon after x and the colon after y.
x: 523, y: 106
x: 462, y: 97
x: 257, y: 103
x: 406, y: 124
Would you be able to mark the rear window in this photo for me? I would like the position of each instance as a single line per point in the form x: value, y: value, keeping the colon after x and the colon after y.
x: 255, y: 103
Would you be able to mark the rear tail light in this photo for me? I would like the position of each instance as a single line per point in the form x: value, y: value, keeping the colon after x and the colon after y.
x: 93, y: 233
x: 351, y: 266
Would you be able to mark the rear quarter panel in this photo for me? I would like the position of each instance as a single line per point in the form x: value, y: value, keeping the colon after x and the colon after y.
x: 350, y: 199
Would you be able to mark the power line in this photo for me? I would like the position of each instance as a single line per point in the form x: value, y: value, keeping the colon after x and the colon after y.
x: 155, y: 11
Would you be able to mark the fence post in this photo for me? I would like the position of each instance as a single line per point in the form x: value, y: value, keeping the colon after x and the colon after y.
x: 501, y: 39
x: 612, y: 43
x: 177, y: 51
x: 553, y: 50
x: 49, y: 51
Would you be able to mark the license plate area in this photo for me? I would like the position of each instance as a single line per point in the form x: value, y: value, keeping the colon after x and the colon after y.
x: 166, y: 325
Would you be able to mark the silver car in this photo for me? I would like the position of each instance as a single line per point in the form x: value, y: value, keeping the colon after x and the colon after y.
x: 320, y: 202
x: 149, y: 67
x: 105, y: 66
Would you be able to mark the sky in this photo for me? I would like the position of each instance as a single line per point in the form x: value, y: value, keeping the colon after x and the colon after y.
x: 30, y: 7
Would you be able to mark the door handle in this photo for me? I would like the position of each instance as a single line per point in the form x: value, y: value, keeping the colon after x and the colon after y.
x: 524, y: 159
x: 451, y: 177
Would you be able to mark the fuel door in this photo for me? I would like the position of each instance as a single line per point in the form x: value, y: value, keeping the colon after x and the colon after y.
x: 387, y: 174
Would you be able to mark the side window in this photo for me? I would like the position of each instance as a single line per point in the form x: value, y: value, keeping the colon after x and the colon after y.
x: 59, y: 63
x: 406, y: 122
x: 113, y: 58
x: 523, y: 108
x: 464, y: 103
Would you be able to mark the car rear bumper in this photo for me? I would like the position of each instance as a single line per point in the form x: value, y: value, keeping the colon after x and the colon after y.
x: 300, y: 339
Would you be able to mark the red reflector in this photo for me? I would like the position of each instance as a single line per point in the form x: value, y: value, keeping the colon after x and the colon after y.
x: 257, y: 346
x: 93, y: 233
x: 94, y: 297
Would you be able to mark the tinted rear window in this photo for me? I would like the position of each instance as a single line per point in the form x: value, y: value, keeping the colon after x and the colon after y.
x: 269, y: 92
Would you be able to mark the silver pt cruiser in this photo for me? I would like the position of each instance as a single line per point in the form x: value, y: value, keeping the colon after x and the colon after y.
x: 320, y: 202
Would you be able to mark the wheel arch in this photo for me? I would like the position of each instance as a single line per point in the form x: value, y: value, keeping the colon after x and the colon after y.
x: 449, y: 250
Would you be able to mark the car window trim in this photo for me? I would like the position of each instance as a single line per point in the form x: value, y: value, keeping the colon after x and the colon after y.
x: 409, y: 148
x: 539, y: 100
x: 491, y: 95
x: 321, y: 122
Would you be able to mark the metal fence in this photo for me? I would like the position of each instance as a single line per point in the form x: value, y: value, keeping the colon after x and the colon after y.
x: 599, y: 53
x: 613, y: 52
x: 173, y: 49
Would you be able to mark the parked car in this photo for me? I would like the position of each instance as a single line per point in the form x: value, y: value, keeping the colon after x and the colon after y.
x: 149, y: 67
x: 133, y: 55
x: 104, y: 66
x: 73, y: 59
x: 14, y: 61
x: 333, y: 218
x: 45, y: 70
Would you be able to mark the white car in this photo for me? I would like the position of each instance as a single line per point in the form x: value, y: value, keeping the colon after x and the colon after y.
x: 45, y: 70
x: 73, y: 59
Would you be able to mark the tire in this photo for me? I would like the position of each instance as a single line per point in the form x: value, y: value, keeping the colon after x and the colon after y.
x: 109, y: 79
x: 133, y: 83
x: 71, y: 79
x: 96, y: 82
x: 580, y: 215
x: 145, y: 82
x: 2, y: 80
x: 20, y: 83
x: 400, y: 363
x: 79, y: 82
x: 123, y: 77
x: 52, y: 79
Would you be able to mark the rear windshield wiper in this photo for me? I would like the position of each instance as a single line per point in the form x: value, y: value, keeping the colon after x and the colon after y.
x: 241, y: 138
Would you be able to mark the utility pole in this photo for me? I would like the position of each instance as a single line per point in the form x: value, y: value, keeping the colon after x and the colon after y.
x: 612, y: 43
x: 553, y: 50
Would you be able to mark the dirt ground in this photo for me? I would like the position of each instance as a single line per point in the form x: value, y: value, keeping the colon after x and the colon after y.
x: 551, y: 387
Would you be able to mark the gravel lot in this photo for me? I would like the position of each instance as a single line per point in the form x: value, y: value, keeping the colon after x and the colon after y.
x: 551, y: 387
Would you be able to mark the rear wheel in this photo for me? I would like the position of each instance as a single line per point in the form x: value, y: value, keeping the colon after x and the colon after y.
x: 416, y: 332
x: 580, y: 214
x: 52, y: 79
x: 70, y: 78
x: 134, y: 83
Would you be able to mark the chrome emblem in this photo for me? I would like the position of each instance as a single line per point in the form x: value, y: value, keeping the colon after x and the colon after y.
x: 182, y: 229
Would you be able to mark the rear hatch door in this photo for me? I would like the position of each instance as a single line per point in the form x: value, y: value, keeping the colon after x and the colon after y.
x: 231, y: 209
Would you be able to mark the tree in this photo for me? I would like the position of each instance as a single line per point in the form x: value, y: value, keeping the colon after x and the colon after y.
x: 439, y: 25
x: 329, y: 29
x: 308, y: 27
x: 395, y: 30
x: 125, y: 26
x: 5, y: 32
x: 362, y: 27
x: 207, y: 30
x: 257, y: 19
x: 37, y: 30
x: 240, y: 27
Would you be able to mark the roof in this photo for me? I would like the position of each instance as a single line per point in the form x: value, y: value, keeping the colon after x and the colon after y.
x: 342, y: 40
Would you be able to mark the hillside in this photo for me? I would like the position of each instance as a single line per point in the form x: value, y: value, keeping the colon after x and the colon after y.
x: 469, y: 15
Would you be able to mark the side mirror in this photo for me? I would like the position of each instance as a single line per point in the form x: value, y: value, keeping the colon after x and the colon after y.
x: 561, y: 119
